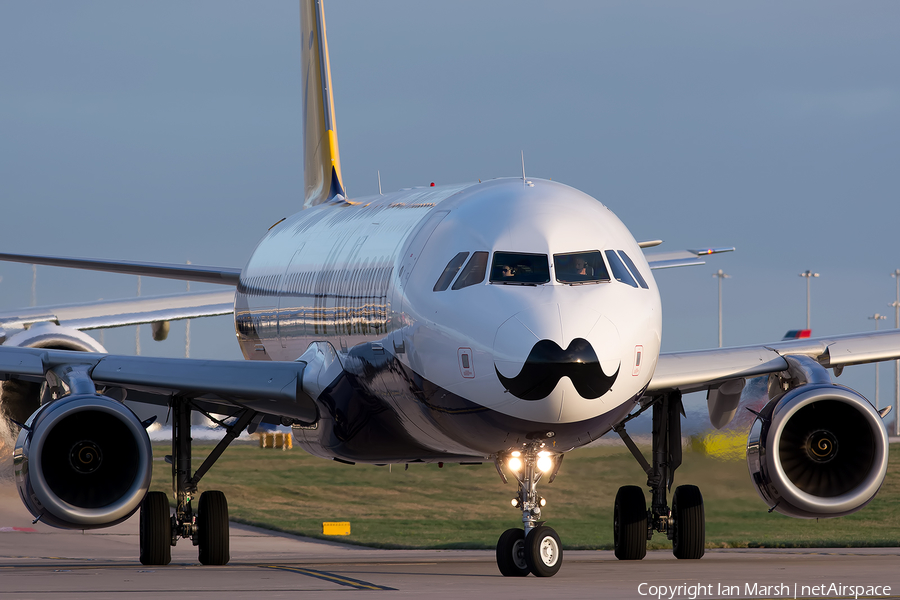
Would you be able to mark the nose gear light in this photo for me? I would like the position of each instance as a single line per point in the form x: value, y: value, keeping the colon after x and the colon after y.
x: 544, y: 462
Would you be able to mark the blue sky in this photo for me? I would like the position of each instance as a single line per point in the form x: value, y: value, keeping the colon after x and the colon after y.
x: 170, y: 131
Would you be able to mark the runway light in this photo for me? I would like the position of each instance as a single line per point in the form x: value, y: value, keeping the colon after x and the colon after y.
x: 515, y: 463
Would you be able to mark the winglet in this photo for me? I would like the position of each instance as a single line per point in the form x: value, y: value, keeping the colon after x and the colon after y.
x: 322, y: 161
x: 681, y: 258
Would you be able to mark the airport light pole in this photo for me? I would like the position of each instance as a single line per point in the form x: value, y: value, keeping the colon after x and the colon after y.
x: 137, y: 328
x: 876, y: 317
x: 721, y: 275
x: 896, y: 305
x: 808, y: 275
x: 187, y: 322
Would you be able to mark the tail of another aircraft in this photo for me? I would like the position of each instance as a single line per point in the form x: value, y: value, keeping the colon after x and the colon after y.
x: 797, y: 334
x: 322, y: 161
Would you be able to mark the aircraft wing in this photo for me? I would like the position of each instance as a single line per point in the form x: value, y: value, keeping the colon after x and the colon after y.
x: 118, y: 313
x: 680, y: 258
x: 220, y: 386
x: 705, y: 369
x: 221, y: 275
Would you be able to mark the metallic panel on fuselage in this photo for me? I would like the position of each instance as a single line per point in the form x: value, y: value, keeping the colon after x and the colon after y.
x: 338, y: 283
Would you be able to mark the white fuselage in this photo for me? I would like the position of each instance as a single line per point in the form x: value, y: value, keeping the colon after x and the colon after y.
x: 469, y: 371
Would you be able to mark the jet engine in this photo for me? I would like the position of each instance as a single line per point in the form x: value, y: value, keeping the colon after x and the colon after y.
x: 817, y: 450
x: 82, y: 462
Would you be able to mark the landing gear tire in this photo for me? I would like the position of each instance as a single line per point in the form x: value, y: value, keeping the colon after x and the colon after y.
x: 212, y: 523
x: 689, y: 536
x: 511, y: 554
x: 543, y: 551
x: 630, y: 523
x: 156, y: 530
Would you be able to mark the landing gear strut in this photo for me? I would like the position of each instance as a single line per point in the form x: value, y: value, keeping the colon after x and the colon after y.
x: 535, y: 548
x: 684, y: 523
x: 208, y: 528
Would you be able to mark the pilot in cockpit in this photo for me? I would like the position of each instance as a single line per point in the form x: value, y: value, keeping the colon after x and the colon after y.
x: 576, y: 268
x: 580, y: 266
x: 502, y: 272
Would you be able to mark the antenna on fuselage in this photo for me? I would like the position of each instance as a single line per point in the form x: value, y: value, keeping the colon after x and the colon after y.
x: 379, y: 184
x: 524, y: 179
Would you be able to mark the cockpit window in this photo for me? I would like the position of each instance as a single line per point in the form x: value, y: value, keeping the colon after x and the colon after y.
x: 450, y: 272
x: 620, y: 272
x: 634, y: 270
x: 474, y: 271
x: 521, y: 269
x: 580, y: 267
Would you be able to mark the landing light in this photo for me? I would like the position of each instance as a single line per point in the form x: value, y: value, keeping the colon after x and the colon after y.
x: 515, y: 463
x: 515, y: 502
x: 545, y: 464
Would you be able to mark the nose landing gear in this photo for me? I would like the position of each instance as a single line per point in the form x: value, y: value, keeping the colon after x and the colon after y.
x: 535, y: 548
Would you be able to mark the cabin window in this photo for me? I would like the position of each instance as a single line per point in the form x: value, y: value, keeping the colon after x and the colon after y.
x: 520, y: 269
x: 450, y: 272
x: 634, y: 270
x: 620, y: 272
x: 474, y: 271
x: 580, y: 267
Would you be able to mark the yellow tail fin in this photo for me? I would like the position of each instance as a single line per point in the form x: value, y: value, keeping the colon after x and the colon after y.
x: 322, y: 161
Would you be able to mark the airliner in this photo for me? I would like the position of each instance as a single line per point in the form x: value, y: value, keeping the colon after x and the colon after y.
x: 507, y: 321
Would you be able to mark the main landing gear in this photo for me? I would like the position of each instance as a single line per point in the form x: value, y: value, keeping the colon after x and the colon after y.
x: 208, y: 528
x: 535, y: 548
x: 685, y: 522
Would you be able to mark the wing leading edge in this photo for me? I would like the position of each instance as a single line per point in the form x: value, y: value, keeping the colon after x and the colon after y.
x: 220, y: 275
x: 119, y: 313
x: 273, y: 388
x: 704, y: 369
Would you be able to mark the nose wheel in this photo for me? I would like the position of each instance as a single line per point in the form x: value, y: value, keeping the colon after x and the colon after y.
x: 543, y: 551
x: 511, y: 554
x: 540, y: 552
x: 535, y: 548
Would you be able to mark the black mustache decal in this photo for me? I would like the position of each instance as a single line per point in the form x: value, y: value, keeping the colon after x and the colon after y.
x: 547, y: 363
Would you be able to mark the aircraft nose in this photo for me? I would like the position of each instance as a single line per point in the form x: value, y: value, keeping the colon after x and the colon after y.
x: 554, y: 351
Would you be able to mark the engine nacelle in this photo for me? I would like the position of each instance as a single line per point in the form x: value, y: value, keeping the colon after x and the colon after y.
x: 82, y: 462
x: 819, y: 450
x: 19, y: 399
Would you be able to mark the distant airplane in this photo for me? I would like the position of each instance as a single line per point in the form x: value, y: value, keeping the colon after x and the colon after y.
x: 510, y: 321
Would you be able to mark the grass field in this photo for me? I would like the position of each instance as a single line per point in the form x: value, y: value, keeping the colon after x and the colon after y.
x: 468, y: 506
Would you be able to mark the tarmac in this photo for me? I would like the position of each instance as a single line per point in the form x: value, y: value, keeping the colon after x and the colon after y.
x: 39, y: 561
